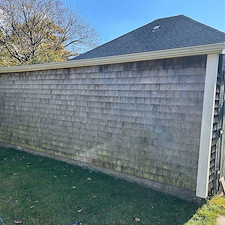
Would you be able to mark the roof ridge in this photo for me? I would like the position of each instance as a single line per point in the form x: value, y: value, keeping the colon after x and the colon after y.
x: 203, y: 25
x: 169, y: 17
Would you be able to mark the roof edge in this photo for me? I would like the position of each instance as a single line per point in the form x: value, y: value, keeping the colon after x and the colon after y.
x: 218, y: 48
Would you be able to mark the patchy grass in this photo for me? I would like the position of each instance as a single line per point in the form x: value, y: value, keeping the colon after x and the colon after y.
x: 38, y: 190
x: 209, y: 212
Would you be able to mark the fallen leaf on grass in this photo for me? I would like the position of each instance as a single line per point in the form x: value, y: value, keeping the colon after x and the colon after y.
x: 97, y: 216
x: 137, y: 219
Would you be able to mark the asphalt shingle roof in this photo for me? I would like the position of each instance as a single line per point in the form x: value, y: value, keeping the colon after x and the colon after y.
x: 175, y: 32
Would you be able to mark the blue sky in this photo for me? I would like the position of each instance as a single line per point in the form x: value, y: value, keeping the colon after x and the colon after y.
x: 113, y: 18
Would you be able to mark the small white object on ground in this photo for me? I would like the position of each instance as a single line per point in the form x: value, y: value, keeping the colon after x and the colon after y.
x: 220, y: 220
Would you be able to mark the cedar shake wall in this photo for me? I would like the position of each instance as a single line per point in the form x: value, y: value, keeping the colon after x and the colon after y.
x: 140, y: 118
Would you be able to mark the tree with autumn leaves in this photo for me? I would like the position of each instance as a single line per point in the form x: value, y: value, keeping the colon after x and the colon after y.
x: 40, y: 31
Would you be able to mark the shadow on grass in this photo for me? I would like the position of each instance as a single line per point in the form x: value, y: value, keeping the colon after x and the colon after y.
x: 42, y: 191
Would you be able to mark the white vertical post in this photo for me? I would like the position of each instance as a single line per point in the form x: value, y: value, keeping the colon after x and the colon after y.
x: 207, y: 125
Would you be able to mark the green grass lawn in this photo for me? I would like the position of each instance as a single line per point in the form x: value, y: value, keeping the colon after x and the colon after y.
x: 42, y: 191
x: 209, y: 212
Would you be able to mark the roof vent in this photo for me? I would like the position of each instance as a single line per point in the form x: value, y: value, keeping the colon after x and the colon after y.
x: 156, y: 28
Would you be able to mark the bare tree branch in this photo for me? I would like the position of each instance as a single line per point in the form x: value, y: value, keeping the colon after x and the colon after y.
x: 28, y: 25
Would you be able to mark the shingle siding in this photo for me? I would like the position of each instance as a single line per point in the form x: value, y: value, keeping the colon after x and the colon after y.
x: 140, y: 118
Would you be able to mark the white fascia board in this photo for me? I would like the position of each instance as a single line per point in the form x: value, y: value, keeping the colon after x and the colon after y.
x: 168, y: 53
x: 207, y: 125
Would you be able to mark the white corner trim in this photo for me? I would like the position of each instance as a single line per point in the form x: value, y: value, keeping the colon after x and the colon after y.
x: 223, y: 51
x: 207, y: 125
x: 168, y: 53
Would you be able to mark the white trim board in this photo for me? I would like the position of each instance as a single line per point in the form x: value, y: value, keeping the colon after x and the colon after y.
x: 167, y: 53
x: 207, y: 125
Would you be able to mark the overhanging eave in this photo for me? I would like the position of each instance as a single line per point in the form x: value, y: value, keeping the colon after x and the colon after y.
x: 168, y: 53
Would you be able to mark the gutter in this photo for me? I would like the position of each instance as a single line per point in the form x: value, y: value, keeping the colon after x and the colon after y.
x: 160, y: 54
